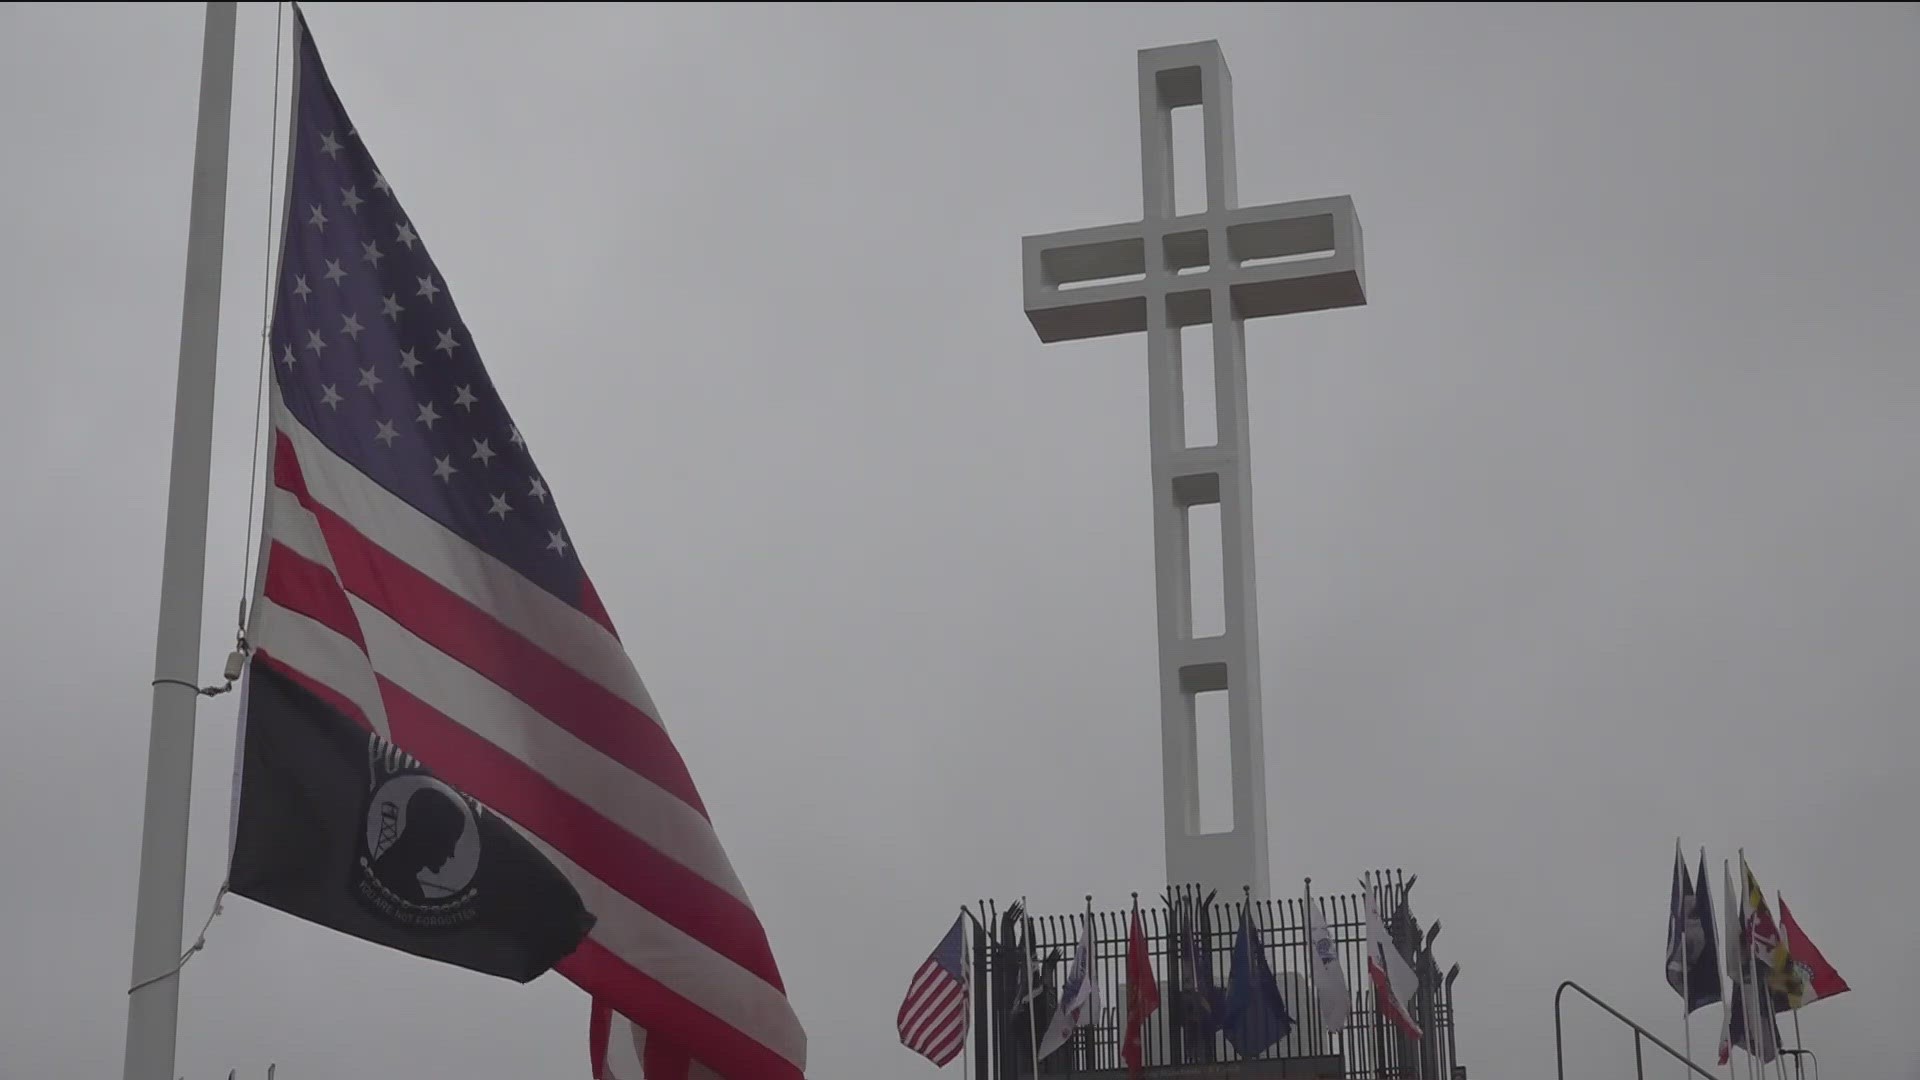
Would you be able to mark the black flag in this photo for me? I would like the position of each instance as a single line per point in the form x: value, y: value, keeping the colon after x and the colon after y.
x: 338, y: 826
x: 1693, y: 962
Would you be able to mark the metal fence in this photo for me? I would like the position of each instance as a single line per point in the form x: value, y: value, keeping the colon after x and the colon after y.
x: 1188, y: 936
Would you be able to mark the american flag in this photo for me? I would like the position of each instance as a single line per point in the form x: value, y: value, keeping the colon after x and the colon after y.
x: 416, y: 574
x: 933, y: 1018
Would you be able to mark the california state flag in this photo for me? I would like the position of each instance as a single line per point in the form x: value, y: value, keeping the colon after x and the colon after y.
x: 1394, y: 983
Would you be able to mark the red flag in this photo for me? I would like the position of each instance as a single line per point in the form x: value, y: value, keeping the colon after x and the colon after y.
x: 1817, y: 978
x: 1143, y: 994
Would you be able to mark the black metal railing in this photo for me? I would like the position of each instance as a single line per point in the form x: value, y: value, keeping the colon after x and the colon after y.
x: 1640, y: 1036
x: 1800, y: 1058
x: 1190, y: 939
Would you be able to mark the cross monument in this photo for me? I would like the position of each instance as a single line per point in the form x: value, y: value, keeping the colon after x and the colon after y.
x: 1220, y: 266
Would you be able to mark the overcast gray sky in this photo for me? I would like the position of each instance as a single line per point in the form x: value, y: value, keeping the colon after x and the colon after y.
x: 1594, y: 528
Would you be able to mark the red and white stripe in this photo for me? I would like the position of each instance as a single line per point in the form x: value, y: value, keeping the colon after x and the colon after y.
x: 622, y: 1051
x: 1394, y: 982
x: 933, y: 1018
x: 534, y: 708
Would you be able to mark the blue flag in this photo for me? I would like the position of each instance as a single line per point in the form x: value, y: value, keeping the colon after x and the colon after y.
x: 1706, y: 987
x: 1256, y: 1015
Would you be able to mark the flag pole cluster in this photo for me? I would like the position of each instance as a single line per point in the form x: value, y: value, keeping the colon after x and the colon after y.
x: 1250, y: 1012
x: 1769, y: 968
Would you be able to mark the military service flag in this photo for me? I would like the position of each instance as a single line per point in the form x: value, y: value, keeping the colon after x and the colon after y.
x: 339, y: 827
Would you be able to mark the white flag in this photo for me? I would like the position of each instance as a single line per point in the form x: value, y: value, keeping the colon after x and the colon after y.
x: 1329, y: 981
x: 1079, y: 998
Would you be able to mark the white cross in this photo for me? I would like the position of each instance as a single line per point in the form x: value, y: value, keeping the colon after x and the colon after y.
x: 1222, y: 265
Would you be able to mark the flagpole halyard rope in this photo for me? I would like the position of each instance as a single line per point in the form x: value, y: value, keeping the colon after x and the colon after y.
x: 199, y: 942
x: 266, y: 317
x: 238, y: 656
x: 204, y: 691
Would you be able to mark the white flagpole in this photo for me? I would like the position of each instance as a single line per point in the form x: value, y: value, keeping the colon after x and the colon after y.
x: 966, y: 965
x: 1033, y: 988
x: 1686, y: 980
x: 1702, y: 900
x: 1730, y: 992
x: 1762, y: 995
x: 1686, y: 973
x: 153, y: 1009
x: 1799, y: 1065
x: 1766, y: 992
x: 1760, y: 1025
x: 1750, y: 980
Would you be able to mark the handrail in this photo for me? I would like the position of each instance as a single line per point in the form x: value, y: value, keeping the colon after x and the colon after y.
x: 1559, y: 1055
x: 1799, y: 1069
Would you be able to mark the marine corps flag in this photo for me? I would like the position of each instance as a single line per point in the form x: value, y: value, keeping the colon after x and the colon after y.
x: 1143, y: 996
x: 337, y: 826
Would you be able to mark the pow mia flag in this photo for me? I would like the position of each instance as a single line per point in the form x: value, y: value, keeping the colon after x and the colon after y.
x: 336, y: 825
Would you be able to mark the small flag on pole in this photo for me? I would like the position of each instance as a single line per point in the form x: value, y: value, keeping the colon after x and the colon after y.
x: 1692, y: 968
x: 1256, y: 1014
x: 1815, y: 978
x: 1765, y: 1047
x: 1710, y: 958
x: 1039, y: 977
x: 1143, y: 995
x: 1764, y: 944
x: 1329, y: 981
x: 933, y: 1017
x: 1394, y: 983
x: 1079, y: 997
x: 1764, y: 1043
x: 1199, y: 999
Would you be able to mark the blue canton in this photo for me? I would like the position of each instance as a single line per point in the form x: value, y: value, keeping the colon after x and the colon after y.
x: 371, y: 356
